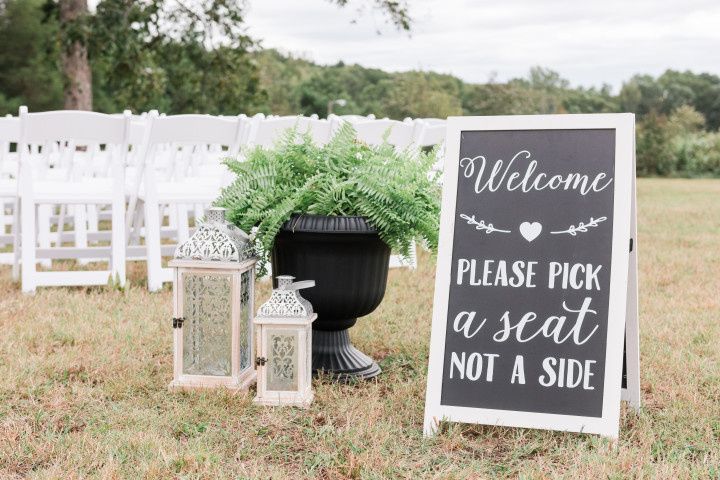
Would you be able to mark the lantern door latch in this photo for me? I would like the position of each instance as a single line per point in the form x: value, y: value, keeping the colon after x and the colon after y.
x: 178, y: 322
x: 260, y: 361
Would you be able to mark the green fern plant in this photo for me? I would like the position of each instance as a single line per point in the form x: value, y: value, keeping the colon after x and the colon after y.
x: 393, y: 190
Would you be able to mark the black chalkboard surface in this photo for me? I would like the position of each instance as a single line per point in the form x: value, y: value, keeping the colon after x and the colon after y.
x: 532, y: 272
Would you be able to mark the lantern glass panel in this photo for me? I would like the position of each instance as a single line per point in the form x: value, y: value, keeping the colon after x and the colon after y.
x: 245, y: 320
x: 282, y: 374
x: 207, y: 337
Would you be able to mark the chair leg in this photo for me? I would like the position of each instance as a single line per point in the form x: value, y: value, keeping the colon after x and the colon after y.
x: 199, y: 213
x: 4, y: 221
x: 152, y: 242
x: 172, y: 214
x: 137, y: 224
x: 81, y: 230
x: 92, y: 218
x: 29, y: 269
x: 44, y: 213
x: 61, y: 224
x: 183, y: 227
x: 16, y: 241
x: 119, y: 240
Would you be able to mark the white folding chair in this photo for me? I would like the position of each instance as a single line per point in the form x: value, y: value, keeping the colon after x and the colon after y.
x: 322, y: 130
x: 357, y: 118
x: 265, y: 131
x: 9, y: 169
x: 401, y: 135
x: 434, y: 121
x: 186, y: 144
x: 74, y: 138
x: 430, y: 134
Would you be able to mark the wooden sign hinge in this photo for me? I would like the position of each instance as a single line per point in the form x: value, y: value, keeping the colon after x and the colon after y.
x: 178, y: 322
x: 260, y: 361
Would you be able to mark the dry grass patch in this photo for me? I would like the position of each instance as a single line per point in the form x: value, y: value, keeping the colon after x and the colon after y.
x: 84, y: 371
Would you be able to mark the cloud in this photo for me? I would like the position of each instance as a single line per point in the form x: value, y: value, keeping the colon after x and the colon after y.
x: 590, y: 42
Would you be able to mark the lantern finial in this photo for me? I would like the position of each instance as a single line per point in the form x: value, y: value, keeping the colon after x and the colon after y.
x: 286, y: 301
x: 216, y: 240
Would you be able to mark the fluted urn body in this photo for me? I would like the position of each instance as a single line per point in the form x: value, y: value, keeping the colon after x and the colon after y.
x: 349, y: 263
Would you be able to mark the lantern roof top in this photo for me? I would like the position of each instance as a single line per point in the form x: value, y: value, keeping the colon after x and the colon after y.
x: 216, y: 240
x: 286, y: 300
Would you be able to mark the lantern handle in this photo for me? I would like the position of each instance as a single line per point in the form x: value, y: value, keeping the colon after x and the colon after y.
x: 302, y: 284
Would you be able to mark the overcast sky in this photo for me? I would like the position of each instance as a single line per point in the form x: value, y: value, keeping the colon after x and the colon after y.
x: 588, y: 42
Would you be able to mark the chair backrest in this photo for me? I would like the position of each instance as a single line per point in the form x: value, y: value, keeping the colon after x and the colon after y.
x: 80, y: 126
x: 138, y: 129
x: 265, y: 132
x: 321, y: 130
x: 77, y: 143
x: 357, y: 118
x: 9, y: 129
x: 401, y: 134
x: 9, y: 138
x: 430, y: 134
x: 194, y: 129
x: 434, y: 121
x: 181, y: 147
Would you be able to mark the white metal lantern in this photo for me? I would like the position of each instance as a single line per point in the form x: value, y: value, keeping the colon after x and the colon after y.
x: 213, y: 291
x: 284, y: 345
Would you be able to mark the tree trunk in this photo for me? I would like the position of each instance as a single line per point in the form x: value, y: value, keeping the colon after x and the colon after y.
x: 74, y: 56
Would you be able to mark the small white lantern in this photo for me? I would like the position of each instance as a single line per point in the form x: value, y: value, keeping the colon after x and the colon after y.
x: 213, y: 291
x: 284, y: 344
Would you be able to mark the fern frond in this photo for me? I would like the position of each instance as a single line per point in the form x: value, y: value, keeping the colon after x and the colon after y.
x: 392, y: 189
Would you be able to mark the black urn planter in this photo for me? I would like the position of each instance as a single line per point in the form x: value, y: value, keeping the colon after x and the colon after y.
x: 349, y: 263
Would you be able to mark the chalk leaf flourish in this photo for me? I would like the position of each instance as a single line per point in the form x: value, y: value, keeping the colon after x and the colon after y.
x: 581, y: 227
x: 481, y: 225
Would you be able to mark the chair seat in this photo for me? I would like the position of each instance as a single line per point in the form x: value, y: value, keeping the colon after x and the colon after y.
x: 8, y: 188
x: 95, y: 190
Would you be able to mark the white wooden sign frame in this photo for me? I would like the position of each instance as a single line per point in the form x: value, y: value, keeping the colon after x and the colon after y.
x: 623, y: 298
x: 631, y: 393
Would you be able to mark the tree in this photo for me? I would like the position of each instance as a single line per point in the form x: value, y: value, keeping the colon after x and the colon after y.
x: 73, y: 15
x: 143, y: 35
x: 28, y: 58
x: 422, y: 95
x: 654, y: 149
x: 590, y: 100
x: 643, y: 95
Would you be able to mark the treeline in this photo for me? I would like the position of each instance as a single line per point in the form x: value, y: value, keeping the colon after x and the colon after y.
x: 136, y: 65
x: 678, y: 112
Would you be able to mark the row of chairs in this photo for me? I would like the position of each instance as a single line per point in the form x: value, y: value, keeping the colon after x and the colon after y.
x: 93, y: 187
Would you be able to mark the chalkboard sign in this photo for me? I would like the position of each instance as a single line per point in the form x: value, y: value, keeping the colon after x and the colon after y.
x: 532, y: 277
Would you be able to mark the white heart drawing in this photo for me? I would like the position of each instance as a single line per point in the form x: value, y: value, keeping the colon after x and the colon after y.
x: 530, y: 230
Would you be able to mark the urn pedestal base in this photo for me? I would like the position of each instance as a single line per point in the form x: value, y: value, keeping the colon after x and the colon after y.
x: 333, y: 354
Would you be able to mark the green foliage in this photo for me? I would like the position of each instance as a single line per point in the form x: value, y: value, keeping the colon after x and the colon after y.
x: 422, y: 95
x: 654, y: 153
x: 29, y: 74
x: 677, y: 145
x: 173, y: 56
x: 698, y: 154
x: 359, y: 86
x: 345, y: 177
x: 195, y: 57
x: 644, y: 94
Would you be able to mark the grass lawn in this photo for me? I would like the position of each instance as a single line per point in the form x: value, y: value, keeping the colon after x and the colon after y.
x: 84, y: 374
